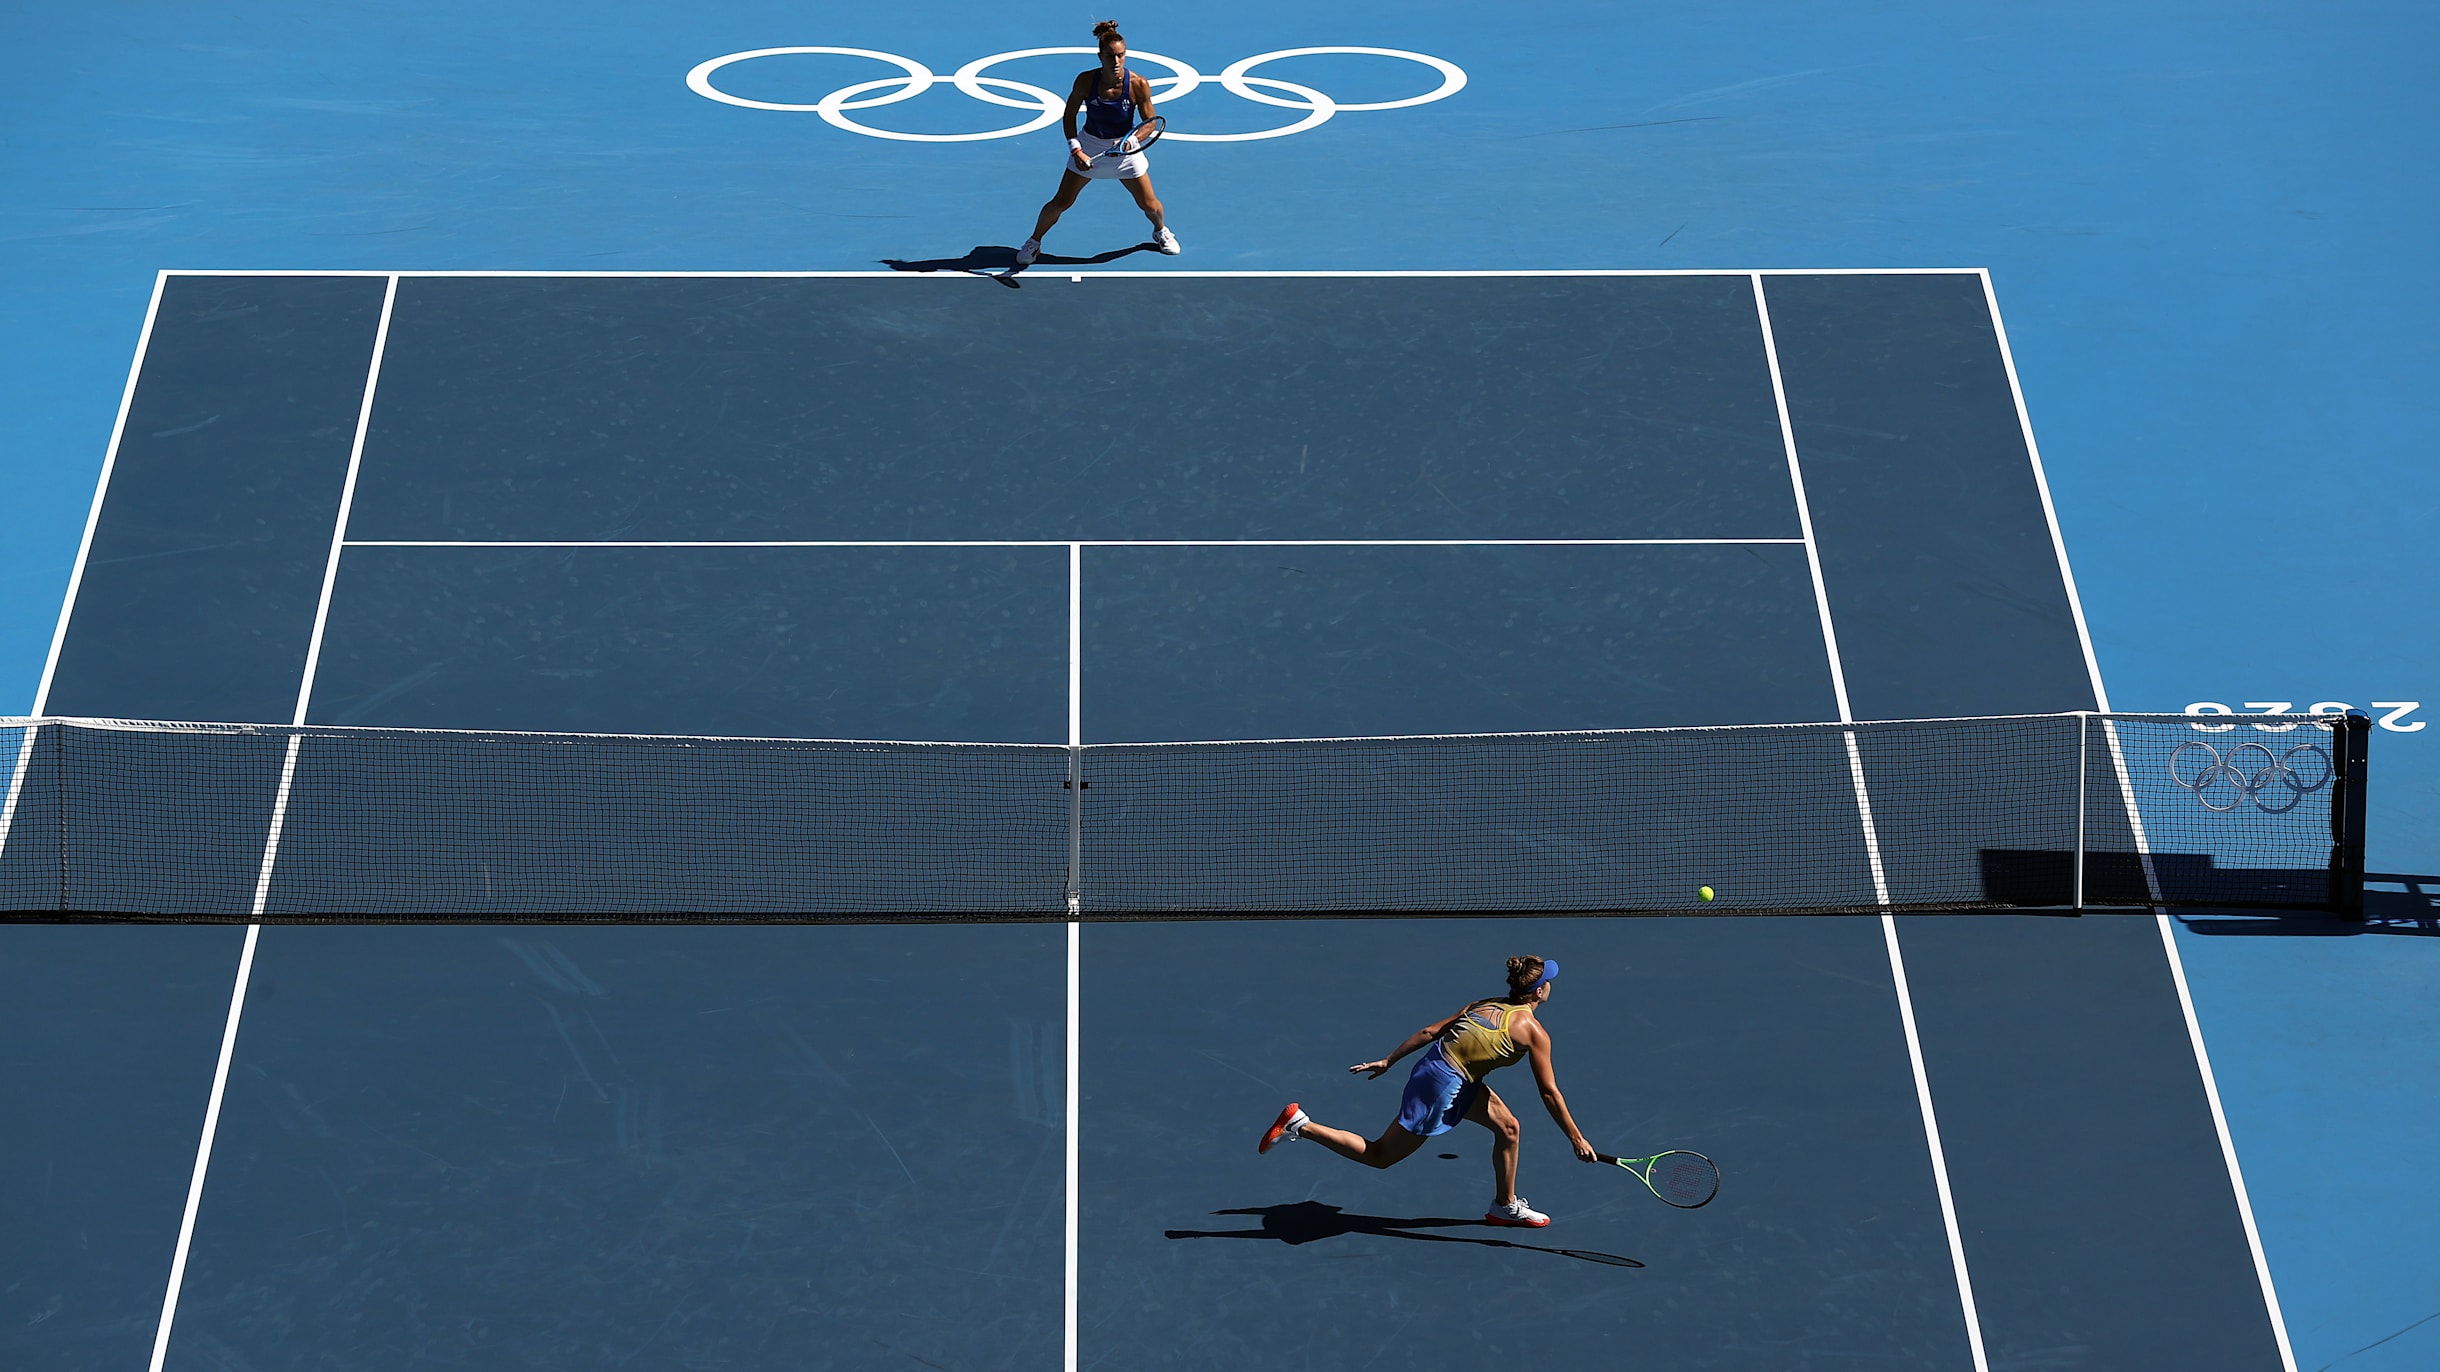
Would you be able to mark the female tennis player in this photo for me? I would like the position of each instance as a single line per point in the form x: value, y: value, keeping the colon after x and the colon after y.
x: 1447, y: 1085
x: 1114, y: 101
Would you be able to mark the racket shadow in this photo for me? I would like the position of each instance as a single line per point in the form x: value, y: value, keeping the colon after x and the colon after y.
x: 1000, y: 263
x: 1312, y: 1221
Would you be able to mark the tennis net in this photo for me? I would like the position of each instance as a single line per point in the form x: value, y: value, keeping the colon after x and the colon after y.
x: 179, y: 820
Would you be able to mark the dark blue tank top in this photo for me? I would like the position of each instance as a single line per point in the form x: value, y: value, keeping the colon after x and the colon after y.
x: 1111, y: 118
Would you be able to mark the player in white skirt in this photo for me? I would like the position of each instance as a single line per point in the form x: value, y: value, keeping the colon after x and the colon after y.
x: 1114, y: 101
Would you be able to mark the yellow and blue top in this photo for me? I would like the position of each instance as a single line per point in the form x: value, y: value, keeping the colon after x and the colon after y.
x: 1481, y: 1040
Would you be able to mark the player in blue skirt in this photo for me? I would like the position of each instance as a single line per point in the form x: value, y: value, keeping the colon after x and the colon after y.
x: 1447, y: 1085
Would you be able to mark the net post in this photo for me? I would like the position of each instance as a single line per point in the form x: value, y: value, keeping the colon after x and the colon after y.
x: 2084, y: 722
x: 59, y: 790
x: 1075, y: 882
x: 2348, y: 755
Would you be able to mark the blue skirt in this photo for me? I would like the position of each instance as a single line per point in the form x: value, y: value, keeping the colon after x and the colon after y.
x: 1436, y: 1096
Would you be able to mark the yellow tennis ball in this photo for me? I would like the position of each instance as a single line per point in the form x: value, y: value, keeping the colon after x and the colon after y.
x: 1704, y: 891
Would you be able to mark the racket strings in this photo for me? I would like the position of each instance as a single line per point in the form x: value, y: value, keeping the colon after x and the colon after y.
x: 1685, y: 1180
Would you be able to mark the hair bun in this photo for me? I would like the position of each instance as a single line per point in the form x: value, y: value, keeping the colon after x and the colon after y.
x: 1106, y: 28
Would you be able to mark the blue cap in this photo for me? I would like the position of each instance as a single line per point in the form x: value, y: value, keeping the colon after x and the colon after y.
x: 1550, y: 969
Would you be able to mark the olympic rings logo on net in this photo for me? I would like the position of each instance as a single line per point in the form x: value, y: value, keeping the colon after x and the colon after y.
x: 2224, y: 783
x: 915, y: 78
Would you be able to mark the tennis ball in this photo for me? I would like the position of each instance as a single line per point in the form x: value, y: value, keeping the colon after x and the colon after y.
x: 1704, y: 891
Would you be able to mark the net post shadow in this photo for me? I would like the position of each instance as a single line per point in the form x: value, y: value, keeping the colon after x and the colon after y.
x: 2413, y: 910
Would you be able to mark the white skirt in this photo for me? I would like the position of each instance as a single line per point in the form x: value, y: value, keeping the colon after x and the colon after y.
x: 1125, y: 168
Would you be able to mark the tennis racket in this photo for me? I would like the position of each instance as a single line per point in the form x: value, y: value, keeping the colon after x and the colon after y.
x: 1685, y: 1180
x: 1142, y: 136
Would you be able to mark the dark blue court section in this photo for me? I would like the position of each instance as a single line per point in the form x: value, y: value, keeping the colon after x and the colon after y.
x: 1773, y: 1046
x: 107, y: 1042
x: 917, y: 643
x: 572, y: 1148
x: 210, y: 546
x: 2099, y: 1227
x: 1259, y: 642
x: 1619, y: 407
x: 1933, y: 541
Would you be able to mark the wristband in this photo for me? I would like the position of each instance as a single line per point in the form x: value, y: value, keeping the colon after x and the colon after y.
x: 1077, y: 144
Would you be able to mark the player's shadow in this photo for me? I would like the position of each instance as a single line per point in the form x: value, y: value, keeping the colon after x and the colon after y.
x: 1000, y: 263
x: 1312, y: 1221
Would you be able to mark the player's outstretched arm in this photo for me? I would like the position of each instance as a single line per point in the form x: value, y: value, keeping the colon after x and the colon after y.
x: 1414, y: 1041
x: 1537, y: 1054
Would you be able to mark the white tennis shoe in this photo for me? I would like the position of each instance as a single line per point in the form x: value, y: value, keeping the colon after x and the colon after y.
x: 1167, y: 242
x: 1516, y: 1214
x: 1027, y: 251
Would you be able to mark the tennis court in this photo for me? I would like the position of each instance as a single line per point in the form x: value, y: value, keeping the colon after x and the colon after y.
x: 1543, y: 502
x: 543, y: 475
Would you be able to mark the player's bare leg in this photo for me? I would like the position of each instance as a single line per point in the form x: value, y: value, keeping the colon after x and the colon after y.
x: 1141, y: 188
x: 1393, y: 1147
x: 1493, y: 1114
x: 1070, y: 183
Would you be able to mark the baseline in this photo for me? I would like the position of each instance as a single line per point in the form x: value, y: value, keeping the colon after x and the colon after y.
x: 1074, y: 543
x: 918, y: 276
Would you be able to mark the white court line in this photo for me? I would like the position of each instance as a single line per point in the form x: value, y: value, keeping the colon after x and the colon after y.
x: 203, y: 1148
x: 321, y: 612
x: 2143, y: 849
x: 1065, y: 543
x: 271, y: 846
x: 101, y: 488
x: 16, y: 780
x: 347, y: 503
x: 2050, y: 512
x: 1804, y: 510
x: 1872, y: 852
x: 2228, y: 1145
x: 953, y: 274
x: 1931, y: 1135
x: 1075, y: 1098
x: 1075, y: 939
x: 279, y: 825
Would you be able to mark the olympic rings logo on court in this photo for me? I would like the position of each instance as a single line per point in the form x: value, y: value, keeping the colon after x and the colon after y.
x: 2277, y: 785
x: 915, y: 78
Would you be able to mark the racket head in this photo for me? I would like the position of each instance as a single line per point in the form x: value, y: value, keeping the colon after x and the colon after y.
x: 1147, y: 133
x: 1683, y: 1179
x: 1687, y: 1180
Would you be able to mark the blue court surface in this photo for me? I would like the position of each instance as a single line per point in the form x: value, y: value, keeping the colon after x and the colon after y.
x: 484, y: 373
